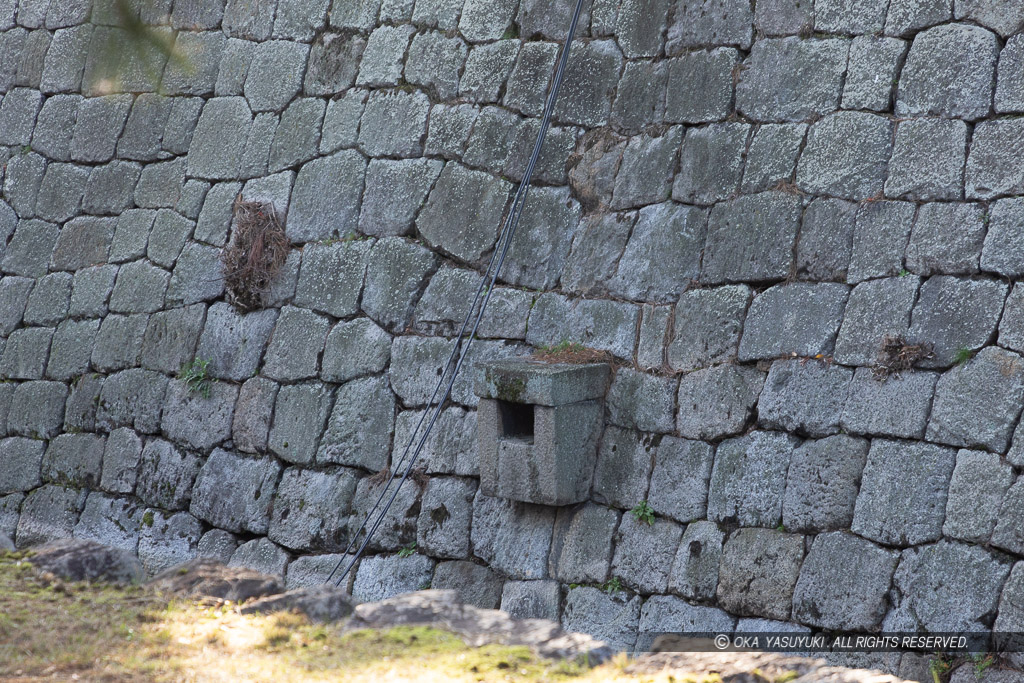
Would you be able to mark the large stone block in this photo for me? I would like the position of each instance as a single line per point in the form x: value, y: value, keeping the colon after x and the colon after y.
x: 299, y: 415
x: 696, y: 564
x: 929, y: 585
x: 1002, y: 252
x: 793, y: 319
x: 641, y: 401
x: 717, y: 401
x: 395, y: 193
x: 275, y: 74
x: 513, y: 538
x: 896, y: 407
x: 445, y: 515
x: 591, y: 77
x: 326, y: 198
x: 947, y: 239
x: 671, y: 615
x: 612, y: 618
x: 37, y: 409
x: 700, y: 86
x: 451, y: 446
x: 168, y: 540
x: 804, y: 396
x: 790, y: 79
x: 133, y: 398
x: 846, y: 156
x: 715, y: 22
x: 748, y: 480
x: 394, y: 123
x: 396, y: 527
x: 644, y: 553
x: 74, y: 460
x: 645, y: 172
x: 310, y: 510
x: 436, y: 61
x: 873, y: 71
x: 771, y: 156
x: 355, y: 349
x: 758, y: 572
x: 121, y: 458
x: 949, y: 72
x: 751, y: 238
x: 581, y: 548
x: 114, y: 522
x: 902, y: 499
x: 707, y: 326
x: 991, y: 170
x: 624, y: 465
x: 384, y: 576
x: 170, y: 339
x: 233, y: 342
x: 599, y: 324
x: 219, y: 138
x: 22, y: 460
x: 361, y: 424
x: 537, y: 255
x: 531, y: 599
x: 235, y: 493
x: 463, y: 227
x: 936, y: 174
x: 396, y: 273
x: 47, y: 514
x: 876, y: 309
x: 261, y: 555
x: 196, y: 418
x: 679, y: 482
x: 843, y: 583
x: 166, y: 475
x: 476, y: 585
x: 296, y: 345
x: 1008, y: 533
x: 976, y: 489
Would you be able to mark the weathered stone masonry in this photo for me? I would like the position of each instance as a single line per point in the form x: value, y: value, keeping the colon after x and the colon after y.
x: 738, y: 200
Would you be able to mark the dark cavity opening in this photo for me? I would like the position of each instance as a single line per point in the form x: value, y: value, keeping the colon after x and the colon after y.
x: 515, y: 421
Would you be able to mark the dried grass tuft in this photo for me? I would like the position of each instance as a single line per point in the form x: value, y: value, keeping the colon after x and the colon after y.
x: 897, y: 355
x: 258, y: 249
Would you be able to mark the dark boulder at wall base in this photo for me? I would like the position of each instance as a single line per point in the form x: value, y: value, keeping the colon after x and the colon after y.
x: 204, y: 577
x: 78, y: 560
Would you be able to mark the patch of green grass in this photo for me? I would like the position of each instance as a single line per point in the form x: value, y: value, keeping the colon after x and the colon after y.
x: 962, y: 355
x: 562, y: 347
x: 982, y: 662
x: 644, y: 512
x: 408, y: 550
x: 194, y: 374
x: 612, y: 586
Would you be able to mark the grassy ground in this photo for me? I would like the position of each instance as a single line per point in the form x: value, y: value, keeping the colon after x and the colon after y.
x: 66, y: 631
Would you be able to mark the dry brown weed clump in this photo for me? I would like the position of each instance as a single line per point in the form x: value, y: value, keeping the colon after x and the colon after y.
x: 897, y: 355
x: 257, y: 250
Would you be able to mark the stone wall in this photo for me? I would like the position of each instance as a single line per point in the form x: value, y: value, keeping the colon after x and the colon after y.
x: 738, y: 201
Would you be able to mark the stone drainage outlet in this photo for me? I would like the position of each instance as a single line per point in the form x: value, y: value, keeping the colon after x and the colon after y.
x: 537, y: 428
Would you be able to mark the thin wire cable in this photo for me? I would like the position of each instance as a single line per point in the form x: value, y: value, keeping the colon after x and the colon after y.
x: 463, y: 343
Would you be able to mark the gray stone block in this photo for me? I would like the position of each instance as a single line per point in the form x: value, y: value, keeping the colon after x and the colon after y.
x: 624, y: 465
x: 396, y: 273
x: 235, y: 493
x: 906, y: 16
x: 654, y: 330
x: 902, y: 499
x: 1001, y: 252
x: 107, y: 114
x: 83, y: 242
x: 843, y: 583
x: 876, y: 309
x: 1012, y: 322
x: 262, y: 555
x: 397, y: 528
x: 325, y: 199
x: 196, y: 73
x: 385, y: 576
x: 55, y: 125
x: 80, y: 411
x: 524, y: 91
x: 513, y: 538
x: 168, y: 540
x: 28, y: 253
x: 25, y: 354
x: 758, y: 572
x: 679, y: 482
x: 361, y: 425
x: 111, y: 188
x: 790, y: 79
x: 990, y: 170
x: 476, y: 585
x: 482, y: 21
x: 783, y: 17
x: 121, y: 459
x: 233, y: 342
x: 23, y: 174
x: 181, y: 126
x: 935, y: 175
x: 846, y: 156
x: 18, y: 116
x: 1010, y: 615
x: 976, y: 490
x: 333, y: 63
x: 219, y: 545
x: 451, y: 447
x: 394, y: 123
x: 644, y: 175
x: 301, y: 411
x: 131, y: 235
x: 849, y: 17
x: 74, y: 460
x: 550, y: 218
x: 873, y: 72
x: 37, y: 409
x: 253, y: 413
x: 718, y: 401
x: 954, y: 314
x: 897, y: 407
x: 771, y: 156
x: 395, y: 192
x: 248, y: 19
x: 47, y: 514
x: 169, y: 234
x: 696, y: 564
x: 296, y: 344
x: 331, y: 277
x: 929, y: 585
x: 144, y: 129
x: 707, y: 326
x: 591, y: 77
x: 449, y: 129
x: 698, y: 22
x: 196, y: 276
x: 300, y: 20
x: 947, y: 239
x: 445, y: 515
x: 195, y: 420
x: 611, y: 618
x: 139, y: 288
x: 537, y: 18
x: 355, y: 349
x: 114, y: 522
x: 1007, y: 533
x: 1009, y: 96
x: 22, y: 460
x: 804, y: 397
x: 640, y: 26
x: 435, y: 62
x: 644, y: 553
x: 822, y: 482
x: 487, y: 69
x: 531, y: 599
x: 467, y: 231
x: 119, y: 342
x: 751, y: 238
x: 14, y: 293
x: 382, y: 60
x: 748, y: 480
x: 60, y: 194
x: 640, y: 401
x: 65, y: 59
x: 166, y: 475
x: 219, y: 140
x: 297, y: 138
x: 976, y: 403
x: 10, y: 507
x: 48, y: 302
x: 941, y: 79
x: 581, y: 547
x: 310, y: 510
x: 772, y: 328
x: 133, y: 398
x: 275, y: 74
x: 674, y: 616
x: 640, y: 97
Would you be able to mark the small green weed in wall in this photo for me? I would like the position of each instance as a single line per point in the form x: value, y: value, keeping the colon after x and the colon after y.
x: 195, y: 376
x: 408, y: 550
x: 644, y: 512
x: 962, y: 355
x: 612, y: 586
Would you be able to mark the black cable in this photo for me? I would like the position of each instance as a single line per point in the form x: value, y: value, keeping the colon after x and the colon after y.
x: 463, y: 342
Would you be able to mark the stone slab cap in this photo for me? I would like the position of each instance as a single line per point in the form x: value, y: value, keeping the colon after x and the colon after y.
x: 543, y: 384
